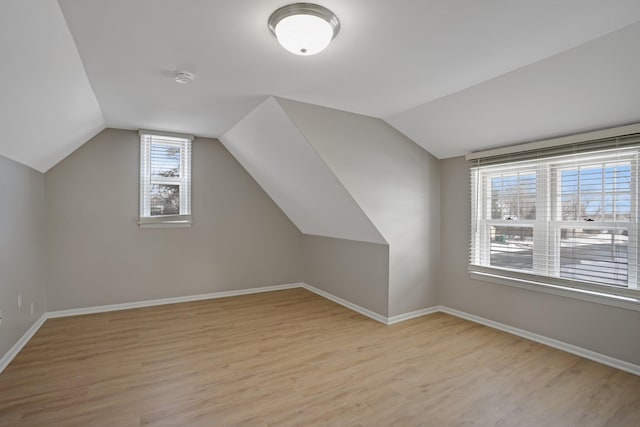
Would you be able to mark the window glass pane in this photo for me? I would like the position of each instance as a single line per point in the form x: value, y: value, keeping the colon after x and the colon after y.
x: 590, y: 179
x: 591, y: 206
x: 596, y: 192
x: 165, y: 160
x: 594, y: 255
x: 165, y: 199
x: 622, y: 207
x: 512, y: 247
x: 513, y: 196
x: 582, y: 206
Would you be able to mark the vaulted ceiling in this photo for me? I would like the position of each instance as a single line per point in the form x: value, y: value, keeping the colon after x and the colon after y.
x: 453, y: 76
x: 47, y: 107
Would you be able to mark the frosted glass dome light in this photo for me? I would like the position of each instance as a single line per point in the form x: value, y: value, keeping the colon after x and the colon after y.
x: 304, y: 28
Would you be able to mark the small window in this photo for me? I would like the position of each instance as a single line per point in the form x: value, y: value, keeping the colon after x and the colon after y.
x: 165, y: 180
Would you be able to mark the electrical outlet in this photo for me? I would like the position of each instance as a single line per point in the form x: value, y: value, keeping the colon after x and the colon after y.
x: 32, y: 309
x: 19, y: 300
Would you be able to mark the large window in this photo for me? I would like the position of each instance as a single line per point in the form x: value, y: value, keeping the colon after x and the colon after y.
x: 568, y: 219
x: 165, y: 180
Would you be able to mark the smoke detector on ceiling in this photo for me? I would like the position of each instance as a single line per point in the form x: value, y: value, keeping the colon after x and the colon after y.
x: 184, y: 77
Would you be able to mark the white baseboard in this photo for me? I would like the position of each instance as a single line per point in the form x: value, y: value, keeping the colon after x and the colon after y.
x: 24, y: 339
x: 13, y: 352
x: 364, y: 311
x: 412, y: 315
x: 569, y: 348
x: 579, y: 351
x: 164, y: 301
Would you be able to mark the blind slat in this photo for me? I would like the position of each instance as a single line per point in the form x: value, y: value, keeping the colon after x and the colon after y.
x: 165, y: 178
x: 568, y: 213
x: 611, y: 145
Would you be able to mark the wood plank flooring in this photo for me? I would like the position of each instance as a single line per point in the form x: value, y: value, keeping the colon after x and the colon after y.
x: 292, y: 358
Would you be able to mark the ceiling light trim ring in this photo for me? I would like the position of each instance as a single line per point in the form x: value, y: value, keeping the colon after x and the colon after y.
x: 304, y: 9
x: 184, y: 77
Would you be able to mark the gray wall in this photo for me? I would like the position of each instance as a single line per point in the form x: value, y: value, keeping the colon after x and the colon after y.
x: 98, y: 254
x: 21, y: 249
x: 395, y: 182
x: 270, y: 146
x: 355, y: 271
x: 601, y: 328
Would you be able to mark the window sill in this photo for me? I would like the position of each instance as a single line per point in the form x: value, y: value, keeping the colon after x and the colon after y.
x: 620, y: 301
x: 166, y: 225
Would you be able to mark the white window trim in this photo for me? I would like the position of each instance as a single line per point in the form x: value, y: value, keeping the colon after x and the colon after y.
x: 615, y: 300
x: 165, y: 221
x: 627, y: 298
x: 546, y: 207
x: 563, y: 140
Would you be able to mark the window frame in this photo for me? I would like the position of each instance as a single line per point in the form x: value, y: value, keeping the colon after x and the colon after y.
x: 184, y: 143
x: 547, y: 228
x: 557, y: 223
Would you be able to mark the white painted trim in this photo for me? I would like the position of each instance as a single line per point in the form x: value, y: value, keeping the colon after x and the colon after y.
x: 166, y: 225
x: 161, y: 133
x: 620, y: 301
x: 24, y: 339
x: 364, y: 311
x: 164, y: 301
x: 412, y: 315
x: 579, y: 351
x: 569, y: 348
x: 569, y: 139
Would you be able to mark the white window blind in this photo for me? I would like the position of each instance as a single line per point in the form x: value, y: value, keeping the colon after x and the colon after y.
x: 565, y: 215
x: 165, y: 179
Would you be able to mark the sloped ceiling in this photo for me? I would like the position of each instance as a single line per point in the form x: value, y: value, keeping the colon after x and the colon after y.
x: 593, y: 86
x: 280, y: 158
x: 397, y: 185
x: 388, y: 59
x: 47, y: 107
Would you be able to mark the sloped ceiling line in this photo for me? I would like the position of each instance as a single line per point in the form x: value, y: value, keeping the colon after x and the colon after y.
x: 279, y: 157
x: 593, y: 86
x: 78, y: 66
x: 47, y: 108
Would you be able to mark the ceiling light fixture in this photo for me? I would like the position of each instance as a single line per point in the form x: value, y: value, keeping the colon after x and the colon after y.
x: 184, y: 77
x: 304, y: 28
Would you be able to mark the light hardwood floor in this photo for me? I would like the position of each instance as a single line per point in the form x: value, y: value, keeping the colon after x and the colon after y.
x: 294, y: 358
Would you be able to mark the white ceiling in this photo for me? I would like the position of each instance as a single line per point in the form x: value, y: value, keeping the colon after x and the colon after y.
x: 296, y: 177
x: 47, y: 107
x: 593, y: 86
x: 388, y: 58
